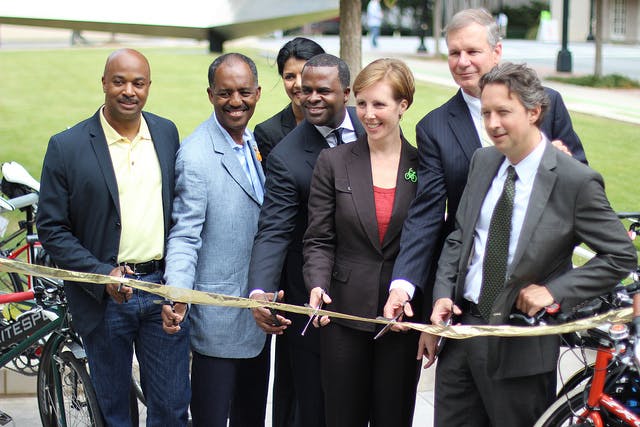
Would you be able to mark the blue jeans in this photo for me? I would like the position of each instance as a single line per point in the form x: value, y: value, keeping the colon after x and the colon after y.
x: 163, y: 359
x: 374, y: 32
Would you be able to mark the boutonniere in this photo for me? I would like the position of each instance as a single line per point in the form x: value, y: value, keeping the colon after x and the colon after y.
x: 411, y: 175
x: 258, y: 155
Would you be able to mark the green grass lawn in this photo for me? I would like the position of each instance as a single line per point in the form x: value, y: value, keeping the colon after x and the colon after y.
x: 43, y: 92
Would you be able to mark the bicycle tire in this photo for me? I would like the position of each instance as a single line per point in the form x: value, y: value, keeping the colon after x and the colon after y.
x: 11, y: 282
x: 584, y: 374
x: 562, y: 413
x: 78, y: 397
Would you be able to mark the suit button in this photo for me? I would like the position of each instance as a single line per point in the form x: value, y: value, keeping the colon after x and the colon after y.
x: 118, y: 224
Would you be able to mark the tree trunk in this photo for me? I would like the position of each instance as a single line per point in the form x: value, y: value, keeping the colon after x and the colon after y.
x: 597, y: 72
x: 351, y: 35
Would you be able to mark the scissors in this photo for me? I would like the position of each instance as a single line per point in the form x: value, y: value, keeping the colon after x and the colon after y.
x: 313, y: 315
x: 391, y: 322
x: 274, y: 313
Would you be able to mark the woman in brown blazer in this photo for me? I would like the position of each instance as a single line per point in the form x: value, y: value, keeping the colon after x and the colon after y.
x: 360, y: 195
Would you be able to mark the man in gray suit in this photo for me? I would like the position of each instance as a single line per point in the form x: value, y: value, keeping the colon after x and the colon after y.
x: 525, y: 207
x: 218, y: 194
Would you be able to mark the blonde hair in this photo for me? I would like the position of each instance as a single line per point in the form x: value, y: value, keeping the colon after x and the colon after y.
x: 394, y: 71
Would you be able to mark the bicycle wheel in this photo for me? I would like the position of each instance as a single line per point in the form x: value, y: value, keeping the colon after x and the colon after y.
x: 575, y: 380
x: 564, y: 411
x: 65, y: 385
x: 11, y: 282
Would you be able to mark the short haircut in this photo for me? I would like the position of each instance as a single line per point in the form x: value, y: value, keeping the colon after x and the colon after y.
x: 466, y: 17
x: 299, y: 48
x: 328, y: 60
x: 227, y: 57
x: 522, y: 81
x: 391, y: 70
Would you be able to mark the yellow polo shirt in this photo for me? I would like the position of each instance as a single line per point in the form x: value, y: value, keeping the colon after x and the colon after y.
x: 140, y: 192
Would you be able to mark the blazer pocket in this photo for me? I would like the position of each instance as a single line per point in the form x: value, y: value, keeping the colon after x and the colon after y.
x: 342, y: 186
x: 340, y: 273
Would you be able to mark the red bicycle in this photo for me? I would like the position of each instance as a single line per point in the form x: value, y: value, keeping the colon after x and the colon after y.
x: 611, y: 396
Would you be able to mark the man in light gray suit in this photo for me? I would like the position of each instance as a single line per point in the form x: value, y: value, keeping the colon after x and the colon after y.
x: 525, y: 207
x: 218, y: 195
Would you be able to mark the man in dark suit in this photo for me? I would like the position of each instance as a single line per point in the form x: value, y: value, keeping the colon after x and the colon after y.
x: 525, y: 207
x: 105, y: 207
x: 277, y: 249
x: 447, y: 138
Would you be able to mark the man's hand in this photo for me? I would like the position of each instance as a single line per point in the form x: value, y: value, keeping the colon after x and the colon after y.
x: 560, y: 146
x: 317, y: 296
x: 397, y: 303
x: 265, y: 319
x: 533, y: 298
x: 172, y: 316
x: 118, y: 291
x: 427, y: 347
x: 443, y: 309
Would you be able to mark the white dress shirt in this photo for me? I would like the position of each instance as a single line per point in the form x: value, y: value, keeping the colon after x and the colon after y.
x: 526, y: 170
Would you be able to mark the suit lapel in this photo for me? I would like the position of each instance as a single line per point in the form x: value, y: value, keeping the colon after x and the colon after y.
x: 542, y: 186
x: 229, y: 160
x: 165, y: 165
x: 313, y: 142
x: 288, y: 120
x: 359, y: 174
x: 101, y: 149
x: 405, y: 192
x: 462, y: 126
x: 357, y: 126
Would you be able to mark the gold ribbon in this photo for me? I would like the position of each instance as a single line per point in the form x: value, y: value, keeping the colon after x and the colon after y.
x: 209, y: 298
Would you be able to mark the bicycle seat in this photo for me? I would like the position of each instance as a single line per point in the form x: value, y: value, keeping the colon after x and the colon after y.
x: 15, y: 173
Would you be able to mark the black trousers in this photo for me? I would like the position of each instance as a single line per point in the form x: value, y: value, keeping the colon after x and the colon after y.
x: 229, y: 388
x: 466, y: 396
x: 303, y: 353
x: 366, y: 380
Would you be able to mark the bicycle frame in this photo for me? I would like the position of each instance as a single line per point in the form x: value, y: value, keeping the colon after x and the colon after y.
x: 37, y: 332
x: 599, y: 399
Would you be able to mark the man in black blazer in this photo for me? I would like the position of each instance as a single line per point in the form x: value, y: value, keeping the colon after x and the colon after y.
x: 105, y: 207
x: 277, y: 249
x: 447, y: 137
x: 525, y: 207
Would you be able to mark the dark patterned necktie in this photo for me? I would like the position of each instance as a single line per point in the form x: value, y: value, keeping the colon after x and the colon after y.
x: 338, y: 134
x: 494, y: 268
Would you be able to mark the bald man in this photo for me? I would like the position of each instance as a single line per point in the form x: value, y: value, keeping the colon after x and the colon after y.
x: 105, y: 207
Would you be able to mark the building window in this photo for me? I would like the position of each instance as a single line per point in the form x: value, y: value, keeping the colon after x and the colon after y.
x: 619, y: 20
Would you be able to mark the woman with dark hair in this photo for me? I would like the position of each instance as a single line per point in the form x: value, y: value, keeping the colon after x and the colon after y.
x: 291, y: 58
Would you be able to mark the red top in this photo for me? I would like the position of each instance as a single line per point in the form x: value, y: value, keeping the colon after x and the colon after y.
x: 383, y: 198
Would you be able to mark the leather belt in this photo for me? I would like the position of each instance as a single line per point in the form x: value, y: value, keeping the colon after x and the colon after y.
x: 148, y: 267
x: 471, y: 308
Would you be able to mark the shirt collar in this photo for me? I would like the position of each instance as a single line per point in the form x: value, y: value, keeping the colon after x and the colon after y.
x: 112, y: 136
x: 527, y: 167
x: 474, y: 105
x: 247, y: 136
x: 346, y: 124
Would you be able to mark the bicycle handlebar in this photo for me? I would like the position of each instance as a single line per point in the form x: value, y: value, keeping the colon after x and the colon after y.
x: 620, y: 296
